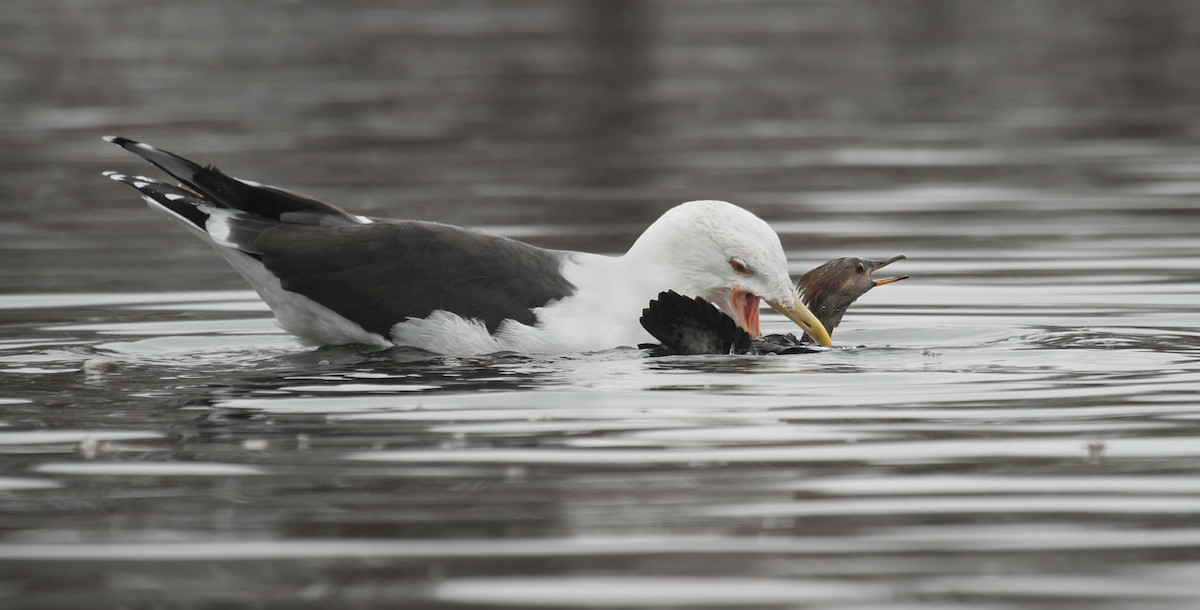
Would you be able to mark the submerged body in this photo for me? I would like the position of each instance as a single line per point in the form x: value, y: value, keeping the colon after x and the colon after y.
x: 334, y: 278
x: 684, y: 325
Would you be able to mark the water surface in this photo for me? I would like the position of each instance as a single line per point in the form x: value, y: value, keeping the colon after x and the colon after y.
x: 1015, y: 426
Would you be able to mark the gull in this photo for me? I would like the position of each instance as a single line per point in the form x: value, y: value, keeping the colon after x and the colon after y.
x: 331, y: 277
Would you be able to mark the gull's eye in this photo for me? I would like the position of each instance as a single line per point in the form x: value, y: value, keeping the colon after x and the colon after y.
x: 861, y: 267
x: 739, y: 266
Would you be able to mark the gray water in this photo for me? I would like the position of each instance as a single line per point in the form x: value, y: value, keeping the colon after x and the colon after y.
x: 1017, y: 426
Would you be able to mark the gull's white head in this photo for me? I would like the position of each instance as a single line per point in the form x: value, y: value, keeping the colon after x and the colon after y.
x: 728, y: 256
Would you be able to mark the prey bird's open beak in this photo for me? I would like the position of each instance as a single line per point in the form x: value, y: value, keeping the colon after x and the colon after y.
x: 798, y: 313
x: 877, y: 265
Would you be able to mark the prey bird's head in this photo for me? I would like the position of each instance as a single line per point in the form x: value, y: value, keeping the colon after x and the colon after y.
x: 729, y: 257
x: 831, y: 288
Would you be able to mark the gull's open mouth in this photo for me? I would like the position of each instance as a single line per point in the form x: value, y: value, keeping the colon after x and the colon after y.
x: 744, y: 306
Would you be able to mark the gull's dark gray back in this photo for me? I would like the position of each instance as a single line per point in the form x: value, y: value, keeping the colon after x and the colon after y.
x: 383, y: 273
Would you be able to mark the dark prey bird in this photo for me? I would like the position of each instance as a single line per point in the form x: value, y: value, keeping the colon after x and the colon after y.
x: 331, y: 277
x: 686, y: 325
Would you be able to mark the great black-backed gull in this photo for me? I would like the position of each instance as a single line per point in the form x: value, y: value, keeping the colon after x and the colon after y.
x: 331, y: 277
x: 687, y: 325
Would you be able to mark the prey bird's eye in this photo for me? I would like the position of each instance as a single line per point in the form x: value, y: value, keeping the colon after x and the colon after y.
x: 739, y: 266
x: 861, y: 267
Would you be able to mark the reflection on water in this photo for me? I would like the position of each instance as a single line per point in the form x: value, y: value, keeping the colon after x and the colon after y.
x: 1015, y: 426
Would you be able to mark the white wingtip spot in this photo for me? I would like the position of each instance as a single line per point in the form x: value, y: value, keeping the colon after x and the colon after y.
x: 138, y: 184
x: 173, y: 196
x: 363, y: 220
x: 115, y: 176
x: 108, y: 174
x: 217, y: 225
x: 144, y: 146
x: 109, y: 139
